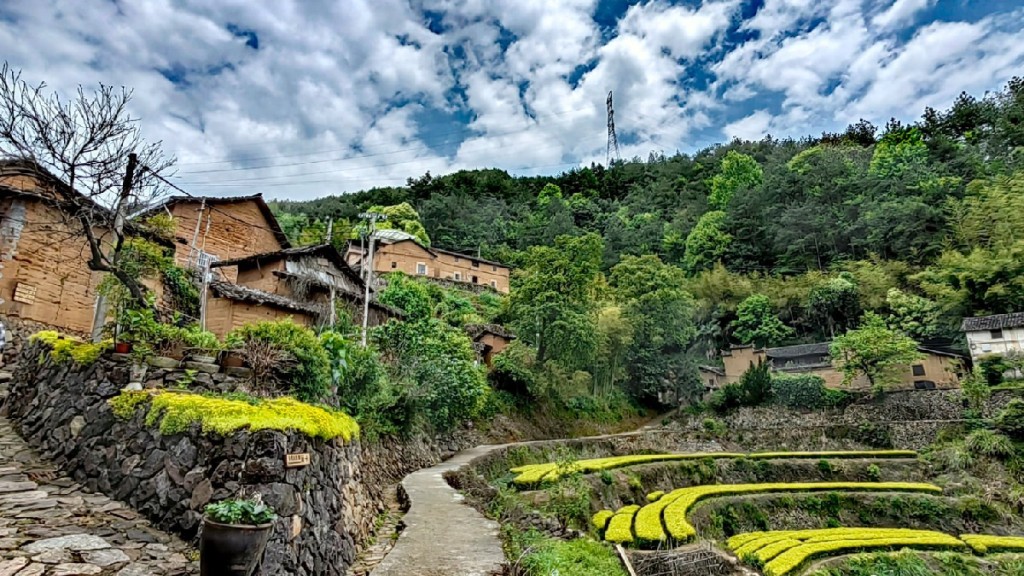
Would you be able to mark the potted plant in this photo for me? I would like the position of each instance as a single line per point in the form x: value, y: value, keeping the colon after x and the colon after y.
x: 235, y: 533
x: 168, y: 346
x: 204, y: 345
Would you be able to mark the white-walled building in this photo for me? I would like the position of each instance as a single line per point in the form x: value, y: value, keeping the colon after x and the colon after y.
x: 997, y: 334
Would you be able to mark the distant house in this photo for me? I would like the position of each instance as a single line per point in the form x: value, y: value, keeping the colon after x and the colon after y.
x: 209, y: 229
x: 489, y: 340
x: 940, y: 368
x: 997, y: 334
x: 397, y: 251
x: 304, y: 283
x: 44, y: 275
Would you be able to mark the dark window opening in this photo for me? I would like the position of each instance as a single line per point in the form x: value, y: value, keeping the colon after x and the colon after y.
x: 924, y: 385
x: 475, y: 281
x: 996, y: 334
x: 476, y: 264
x: 394, y: 265
x: 918, y: 370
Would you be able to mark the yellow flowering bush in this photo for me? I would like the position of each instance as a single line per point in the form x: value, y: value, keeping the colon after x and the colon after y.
x: 63, y: 348
x: 680, y: 529
x: 793, y: 558
x: 532, y: 474
x: 655, y: 496
x: 620, y: 526
x: 783, y: 551
x: 673, y: 507
x: 983, y: 544
x: 601, y: 518
x: 174, y: 413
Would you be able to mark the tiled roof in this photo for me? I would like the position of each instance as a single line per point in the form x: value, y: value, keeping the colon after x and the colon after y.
x: 246, y: 294
x: 817, y: 349
x: 997, y: 322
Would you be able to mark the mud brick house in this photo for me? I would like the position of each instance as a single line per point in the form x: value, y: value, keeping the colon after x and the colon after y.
x: 489, y: 340
x: 44, y: 275
x: 305, y: 283
x: 397, y: 251
x: 940, y: 368
x: 209, y: 229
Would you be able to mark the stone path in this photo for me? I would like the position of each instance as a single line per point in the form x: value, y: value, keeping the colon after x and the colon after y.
x: 389, y: 527
x: 443, y: 536
x: 50, y: 526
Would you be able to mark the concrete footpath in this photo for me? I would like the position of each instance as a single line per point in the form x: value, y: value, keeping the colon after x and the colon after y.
x: 443, y: 535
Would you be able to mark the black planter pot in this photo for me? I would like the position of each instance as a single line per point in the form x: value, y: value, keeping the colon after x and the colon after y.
x: 231, y: 549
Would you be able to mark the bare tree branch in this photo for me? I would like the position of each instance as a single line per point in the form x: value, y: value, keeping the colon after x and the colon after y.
x: 90, y: 157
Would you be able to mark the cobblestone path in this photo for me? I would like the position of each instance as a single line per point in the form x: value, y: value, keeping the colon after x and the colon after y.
x: 50, y: 526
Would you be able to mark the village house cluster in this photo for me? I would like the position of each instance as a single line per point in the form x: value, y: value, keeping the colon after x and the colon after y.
x: 246, y: 267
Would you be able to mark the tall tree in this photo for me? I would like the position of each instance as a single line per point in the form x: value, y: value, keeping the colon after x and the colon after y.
x: 756, y: 323
x: 93, y: 159
x: 874, y: 351
x: 552, y: 305
x: 739, y: 172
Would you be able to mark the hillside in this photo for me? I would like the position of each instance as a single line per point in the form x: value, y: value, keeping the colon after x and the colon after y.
x: 929, y: 208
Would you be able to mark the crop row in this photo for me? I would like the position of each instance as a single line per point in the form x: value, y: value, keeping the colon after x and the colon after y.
x: 666, y: 517
x: 782, y: 552
x: 531, y: 474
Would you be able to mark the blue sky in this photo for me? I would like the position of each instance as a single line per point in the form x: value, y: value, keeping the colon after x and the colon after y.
x: 298, y: 99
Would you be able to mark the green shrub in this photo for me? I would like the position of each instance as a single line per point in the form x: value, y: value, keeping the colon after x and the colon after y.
x: 445, y: 383
x: 252, y: 512
x: 1010, y: 420
x: 874, y: 473
x: 993, y: 367
x: 726, y: 398
x: 874, y: 435
x: 545, y: 556
x: 407, y: 295
x: 513, y: 372
x: 301, y: 365
x: 716, y: 428
x: 991, y: 444
x: 756, y: 384
x: 806, y: 391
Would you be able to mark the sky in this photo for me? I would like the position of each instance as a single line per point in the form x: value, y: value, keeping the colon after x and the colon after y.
x: 306, y: 98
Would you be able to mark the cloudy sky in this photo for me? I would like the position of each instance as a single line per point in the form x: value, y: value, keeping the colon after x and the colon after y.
x: 304, y: 98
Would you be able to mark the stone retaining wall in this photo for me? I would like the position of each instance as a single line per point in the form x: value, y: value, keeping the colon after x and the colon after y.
x: 324, y: 508
x: 18, y: 332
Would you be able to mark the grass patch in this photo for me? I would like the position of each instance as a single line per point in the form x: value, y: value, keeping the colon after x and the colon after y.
x: 175, y: 413
x: 545, y: 556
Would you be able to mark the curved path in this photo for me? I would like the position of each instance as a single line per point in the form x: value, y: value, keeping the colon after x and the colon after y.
x: 443, y: 536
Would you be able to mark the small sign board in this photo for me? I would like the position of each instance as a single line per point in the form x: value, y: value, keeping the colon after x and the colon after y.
x: 296, y: 460
x: 25, y: 293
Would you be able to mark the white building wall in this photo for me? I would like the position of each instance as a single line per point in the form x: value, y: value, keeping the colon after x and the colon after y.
x: 981, y: 342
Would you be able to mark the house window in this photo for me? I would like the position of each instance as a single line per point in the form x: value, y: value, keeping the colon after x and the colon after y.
x: 458, y: 276
x: 394, y: 265
x: 456, y: 259
x: 918, y: 369
x: 475, y: 281
x: 476, y: 264
x: 494, y: 284
x: 421, y: 268
x: 494, y: 268
x: 996, y: 334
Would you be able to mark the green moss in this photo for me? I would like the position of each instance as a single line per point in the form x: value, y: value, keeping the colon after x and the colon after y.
x: 175, y: 413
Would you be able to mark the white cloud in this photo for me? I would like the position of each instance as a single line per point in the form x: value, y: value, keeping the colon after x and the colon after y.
x: 347, y: 95
x: 900, y: 12
x: 753, y: 127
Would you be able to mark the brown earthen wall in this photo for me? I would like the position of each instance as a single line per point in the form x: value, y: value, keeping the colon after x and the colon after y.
x: 405, y: 256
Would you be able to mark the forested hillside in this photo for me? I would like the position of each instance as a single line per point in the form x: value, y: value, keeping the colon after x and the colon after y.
x: 920, y: 223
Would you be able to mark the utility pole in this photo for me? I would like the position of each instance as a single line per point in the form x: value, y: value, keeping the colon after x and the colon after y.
x: 372, y: 218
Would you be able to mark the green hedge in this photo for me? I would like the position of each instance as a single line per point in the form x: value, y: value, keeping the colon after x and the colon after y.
x: 806, y: 391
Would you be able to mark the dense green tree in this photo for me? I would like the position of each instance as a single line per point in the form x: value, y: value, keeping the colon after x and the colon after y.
x: 739, y: 172
x: 913, y: 315
x: 834, y: 305
x: 707, y: 242
x: 405, y: 218
x: 552, y: 302
x: 756, y: 323
x: 874, y: 351
x: 661, y: 314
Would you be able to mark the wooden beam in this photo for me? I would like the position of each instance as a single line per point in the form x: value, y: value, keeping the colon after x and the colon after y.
x: 625, y: 559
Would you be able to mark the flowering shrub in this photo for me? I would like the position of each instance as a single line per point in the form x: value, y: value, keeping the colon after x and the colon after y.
x: 983, y: 544
x: 620, y: 526
x: 174, y: 413
x: 63, y: 348
x: 794, y: 557
x: 532, y: 474
x: 674, y: 506
x: 600, y: 520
